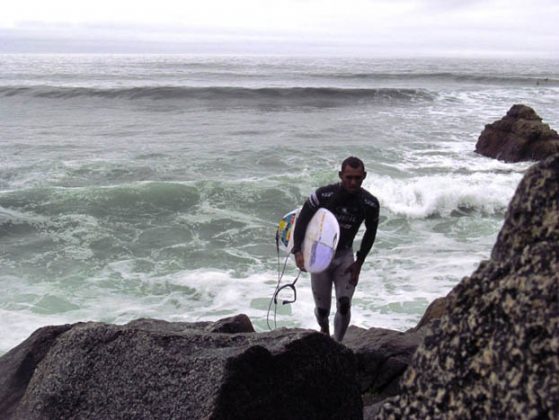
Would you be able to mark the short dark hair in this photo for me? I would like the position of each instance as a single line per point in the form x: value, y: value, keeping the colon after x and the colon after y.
x: 354, y: 162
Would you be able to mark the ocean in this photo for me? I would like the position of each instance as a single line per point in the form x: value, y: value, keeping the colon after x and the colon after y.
x: 151, y: 185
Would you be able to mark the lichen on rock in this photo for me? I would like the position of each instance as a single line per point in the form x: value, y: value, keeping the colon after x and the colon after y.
x: 495, y: 354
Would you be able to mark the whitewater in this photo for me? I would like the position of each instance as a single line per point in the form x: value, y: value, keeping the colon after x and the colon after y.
x: 151, y: 185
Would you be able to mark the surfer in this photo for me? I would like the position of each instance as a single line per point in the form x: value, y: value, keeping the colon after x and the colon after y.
x: 351, y: 205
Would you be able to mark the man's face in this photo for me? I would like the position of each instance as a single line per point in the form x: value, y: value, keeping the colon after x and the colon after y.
x: 352, y: 178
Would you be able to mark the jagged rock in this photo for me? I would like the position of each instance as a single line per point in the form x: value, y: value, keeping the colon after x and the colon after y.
x: 495, y: 354
x: 382, y: 357
x: 157, y: 369
x: 518, y: 136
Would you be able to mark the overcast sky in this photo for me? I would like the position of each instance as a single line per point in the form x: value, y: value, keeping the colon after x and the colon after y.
x: 369, y: 27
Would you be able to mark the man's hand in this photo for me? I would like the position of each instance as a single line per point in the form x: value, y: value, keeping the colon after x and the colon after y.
x: 355, y: 270
x: 300, y: 260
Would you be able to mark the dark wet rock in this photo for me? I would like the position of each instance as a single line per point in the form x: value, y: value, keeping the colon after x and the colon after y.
x: 158, y: 369
x: 382, y: 357
x: 495, y: 354
x: 519, y: 136
x: 235, y: 324
x: 18, y: 365
x: 150, y: 324
x: 434, y: 311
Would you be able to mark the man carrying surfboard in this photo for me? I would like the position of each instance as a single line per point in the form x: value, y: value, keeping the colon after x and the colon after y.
x: 351, y: 205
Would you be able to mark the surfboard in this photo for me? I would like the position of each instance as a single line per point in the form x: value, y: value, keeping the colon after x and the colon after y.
x: 286, y: 228
x: 321, y: 239
x: 320, y: 242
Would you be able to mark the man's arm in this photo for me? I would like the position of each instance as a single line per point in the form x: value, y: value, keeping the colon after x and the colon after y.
x: 371, y: 225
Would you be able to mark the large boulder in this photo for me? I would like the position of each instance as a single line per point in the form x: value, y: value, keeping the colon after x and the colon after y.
x: 156, y: 369
x: 495, y: 353
x: 17, y: 366
x: 519, y: 136
x: 382, y: 357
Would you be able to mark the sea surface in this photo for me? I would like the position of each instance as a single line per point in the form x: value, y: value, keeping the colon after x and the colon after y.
x: 151, y: 186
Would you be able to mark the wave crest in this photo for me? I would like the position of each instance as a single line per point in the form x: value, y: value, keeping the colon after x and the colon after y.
x: 446, y: 195
x: 305, y: 95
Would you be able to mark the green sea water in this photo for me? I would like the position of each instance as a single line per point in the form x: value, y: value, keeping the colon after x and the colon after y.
x: 151, y: 186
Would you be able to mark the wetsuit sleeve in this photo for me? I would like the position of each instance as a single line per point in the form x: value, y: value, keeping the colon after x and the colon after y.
x: 371, y: 225
x: 312, y: 204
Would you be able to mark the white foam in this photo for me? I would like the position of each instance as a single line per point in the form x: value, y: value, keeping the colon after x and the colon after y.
x: 17, y: 217
x: 390, y: 295
x: 17, y: 326
x: 430, y: 195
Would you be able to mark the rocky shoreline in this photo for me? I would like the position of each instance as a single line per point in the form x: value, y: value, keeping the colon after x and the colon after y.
x: 490, y: 349
x: 157, y: 369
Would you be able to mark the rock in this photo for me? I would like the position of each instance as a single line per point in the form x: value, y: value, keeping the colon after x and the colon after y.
x: 18, y: 365
x: 495, y: 354
x: 533, y: 213
x: 155, y: 325
x: 370, y: 412
x: 382, y: 357
x: 158, y: 369
x: 435, y: 310
x: 235, y: 324
x: 518, y: 136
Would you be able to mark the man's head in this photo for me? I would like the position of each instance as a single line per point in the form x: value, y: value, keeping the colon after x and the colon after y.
x: 352, y: 174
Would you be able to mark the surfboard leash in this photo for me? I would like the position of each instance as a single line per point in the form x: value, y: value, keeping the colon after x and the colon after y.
x: 279, y: 288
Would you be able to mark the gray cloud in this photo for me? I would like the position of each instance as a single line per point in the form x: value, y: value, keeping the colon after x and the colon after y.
x: 398, y: 27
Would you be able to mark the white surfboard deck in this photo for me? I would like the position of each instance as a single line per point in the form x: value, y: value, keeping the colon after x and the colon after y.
x: 321, y: 240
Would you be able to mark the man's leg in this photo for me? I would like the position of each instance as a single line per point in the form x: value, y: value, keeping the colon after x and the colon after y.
x: 321, y: 284
x: 344, y: 293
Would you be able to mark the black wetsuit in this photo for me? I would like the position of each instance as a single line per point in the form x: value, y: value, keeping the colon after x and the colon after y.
x: 350, y: 211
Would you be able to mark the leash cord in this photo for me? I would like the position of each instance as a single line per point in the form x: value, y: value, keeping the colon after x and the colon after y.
x: 274, y: 299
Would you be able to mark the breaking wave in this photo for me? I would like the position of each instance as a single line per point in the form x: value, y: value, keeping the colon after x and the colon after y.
x: 443, y: 196
x: 305, y: 95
